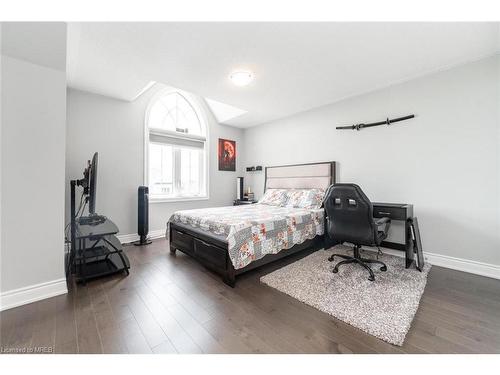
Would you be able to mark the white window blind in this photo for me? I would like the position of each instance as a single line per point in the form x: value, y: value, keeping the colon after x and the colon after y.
x: 176, y: 144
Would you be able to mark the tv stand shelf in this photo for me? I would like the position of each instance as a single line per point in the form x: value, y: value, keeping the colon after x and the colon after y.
x: 101, y: 247
x: 103, y: 265
x: 98, y: 252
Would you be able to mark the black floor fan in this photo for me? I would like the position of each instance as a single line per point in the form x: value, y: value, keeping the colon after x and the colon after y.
x: 142, y: 216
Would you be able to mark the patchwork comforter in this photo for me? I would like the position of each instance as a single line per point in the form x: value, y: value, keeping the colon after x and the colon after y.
x: 255, y: 230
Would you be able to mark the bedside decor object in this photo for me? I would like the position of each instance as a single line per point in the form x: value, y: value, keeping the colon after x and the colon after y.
x: 227, y: 155
x: 386, y: 122
x: 249, y: 195
x: 250, y: 169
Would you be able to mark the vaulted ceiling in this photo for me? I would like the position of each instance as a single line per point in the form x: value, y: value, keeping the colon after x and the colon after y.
x: 297, y: 66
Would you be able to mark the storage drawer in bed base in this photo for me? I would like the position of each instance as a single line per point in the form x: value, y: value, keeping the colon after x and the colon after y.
x: 217, y: 258
x: 181, y: 241
x: 211, y: 254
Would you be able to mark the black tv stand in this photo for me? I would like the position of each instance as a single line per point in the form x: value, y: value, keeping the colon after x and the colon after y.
x: 95, y: 249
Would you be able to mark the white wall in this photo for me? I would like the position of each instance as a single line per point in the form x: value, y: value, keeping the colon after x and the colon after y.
x: 115, y: 129
x: 32, y: 173
x: 1, y: 126
x: 445, y: 161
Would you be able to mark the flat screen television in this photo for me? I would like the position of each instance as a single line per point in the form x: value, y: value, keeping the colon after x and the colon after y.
x: 93, y: 184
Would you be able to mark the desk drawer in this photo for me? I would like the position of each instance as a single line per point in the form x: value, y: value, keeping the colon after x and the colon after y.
x: 394, y: 213
x: 182, y: 241
x: 210, y: 253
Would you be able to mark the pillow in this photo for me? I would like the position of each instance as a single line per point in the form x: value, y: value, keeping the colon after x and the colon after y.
x: 274, y: 197
x: 304, y: 198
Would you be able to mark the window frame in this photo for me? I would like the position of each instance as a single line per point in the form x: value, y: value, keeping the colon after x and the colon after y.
x: 200, y: 112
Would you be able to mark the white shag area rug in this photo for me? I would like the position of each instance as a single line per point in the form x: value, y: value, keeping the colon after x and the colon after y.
x: 383, y: 308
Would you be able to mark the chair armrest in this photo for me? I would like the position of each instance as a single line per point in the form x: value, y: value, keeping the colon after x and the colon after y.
x: 382, y: 220
x: 383, y: 224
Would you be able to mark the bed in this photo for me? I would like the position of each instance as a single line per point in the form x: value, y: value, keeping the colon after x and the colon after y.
x: 235, y: 239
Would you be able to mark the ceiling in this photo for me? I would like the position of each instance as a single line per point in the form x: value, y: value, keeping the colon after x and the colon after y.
x: 297, y: 66
x: 42, y: 43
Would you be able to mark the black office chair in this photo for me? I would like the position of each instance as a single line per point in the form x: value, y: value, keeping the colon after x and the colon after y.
x: 349, y: 218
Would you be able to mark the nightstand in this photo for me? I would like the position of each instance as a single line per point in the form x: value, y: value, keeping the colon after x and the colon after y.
x: 238, y: 202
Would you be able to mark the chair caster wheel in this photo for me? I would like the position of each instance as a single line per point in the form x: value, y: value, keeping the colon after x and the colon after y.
x: 371, y: 278
x: 330, y: 259
x: 383, y: 268
x: 335, y: 270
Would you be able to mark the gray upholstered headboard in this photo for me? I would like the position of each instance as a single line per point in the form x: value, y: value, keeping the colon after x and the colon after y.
x: 300, y: 176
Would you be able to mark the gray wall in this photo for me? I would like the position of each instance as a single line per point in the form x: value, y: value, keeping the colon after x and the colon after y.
x: 445, y: 161
x: 115, y: 129
x: 32, y: 162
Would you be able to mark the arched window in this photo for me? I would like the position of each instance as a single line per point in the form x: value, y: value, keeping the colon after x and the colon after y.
x: 176, y: 149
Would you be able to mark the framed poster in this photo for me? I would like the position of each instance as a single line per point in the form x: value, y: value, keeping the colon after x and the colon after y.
x: 227, y: 155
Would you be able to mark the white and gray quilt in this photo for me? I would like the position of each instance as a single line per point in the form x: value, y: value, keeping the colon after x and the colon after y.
x: 253, y: 231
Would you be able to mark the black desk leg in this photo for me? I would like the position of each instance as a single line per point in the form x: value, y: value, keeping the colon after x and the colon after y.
x: 408, y: 244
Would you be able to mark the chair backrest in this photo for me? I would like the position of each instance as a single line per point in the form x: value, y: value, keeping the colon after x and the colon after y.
x: 350, y: 215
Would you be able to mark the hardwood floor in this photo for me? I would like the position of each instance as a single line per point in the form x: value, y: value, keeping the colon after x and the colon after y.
x: 171, y: 304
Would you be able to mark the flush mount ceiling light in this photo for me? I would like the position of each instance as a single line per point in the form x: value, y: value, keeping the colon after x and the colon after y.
x: 241, y: 77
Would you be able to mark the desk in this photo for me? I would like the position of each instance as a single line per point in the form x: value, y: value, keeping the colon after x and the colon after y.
x: 403, y: 212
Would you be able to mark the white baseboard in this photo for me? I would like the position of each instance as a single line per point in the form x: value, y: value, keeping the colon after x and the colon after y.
x: 128, y: 238
x: 32, y: 293
x: 459, y: 264
x: 465, y: 265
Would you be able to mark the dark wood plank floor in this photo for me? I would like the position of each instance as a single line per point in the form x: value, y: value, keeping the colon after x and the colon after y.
x: 171, y: 304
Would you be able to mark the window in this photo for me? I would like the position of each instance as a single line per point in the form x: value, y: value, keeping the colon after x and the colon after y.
x: 176, y: 160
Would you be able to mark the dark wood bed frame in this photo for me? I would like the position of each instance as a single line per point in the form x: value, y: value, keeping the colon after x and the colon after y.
x: 212, y: 252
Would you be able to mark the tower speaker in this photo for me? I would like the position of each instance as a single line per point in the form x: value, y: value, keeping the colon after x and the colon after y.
x: 142, y: 216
